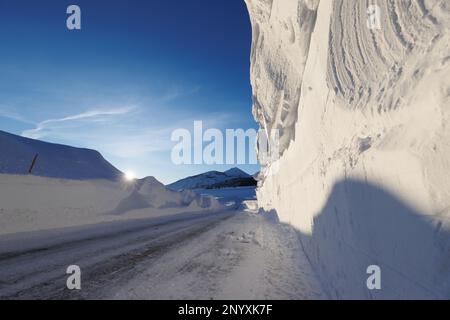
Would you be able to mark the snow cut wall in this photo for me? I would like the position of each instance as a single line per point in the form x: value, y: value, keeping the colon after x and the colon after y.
x: 363, y: 114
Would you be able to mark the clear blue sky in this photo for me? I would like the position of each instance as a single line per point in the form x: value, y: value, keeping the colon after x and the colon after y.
x: 137, y: 70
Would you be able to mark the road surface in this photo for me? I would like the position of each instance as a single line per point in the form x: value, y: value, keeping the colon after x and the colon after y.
x: 230, y: 254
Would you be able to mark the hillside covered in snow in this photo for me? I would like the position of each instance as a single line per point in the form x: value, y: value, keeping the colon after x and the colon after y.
x: 72, y: 187
x: 360, y: 93
x: 54, y: 160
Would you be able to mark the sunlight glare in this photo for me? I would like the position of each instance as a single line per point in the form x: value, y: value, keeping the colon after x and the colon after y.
x: 129, y: 175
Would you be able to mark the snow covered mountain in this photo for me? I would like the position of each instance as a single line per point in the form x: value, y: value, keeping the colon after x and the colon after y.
x: 214, y: 180
x: 360, y: 91
x: 54, y: 160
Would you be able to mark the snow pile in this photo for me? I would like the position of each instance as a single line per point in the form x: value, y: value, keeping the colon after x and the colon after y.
x: 29, y: 203
x: 150, y: 193
x: 364, y: 173
x: 234, y: 197
x: 54, y: 160
x: 250, y: 205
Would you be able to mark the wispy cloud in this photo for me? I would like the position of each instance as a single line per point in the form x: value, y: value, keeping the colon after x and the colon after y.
x: 136, y: 136
x: 43, y: 128
x: 119, y: 132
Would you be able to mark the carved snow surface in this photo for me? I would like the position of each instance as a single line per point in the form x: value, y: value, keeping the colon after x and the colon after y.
x: 281, y: 36
x: 364, y: 115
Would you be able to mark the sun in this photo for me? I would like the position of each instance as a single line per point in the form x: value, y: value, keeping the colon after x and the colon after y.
x: 129, y: 175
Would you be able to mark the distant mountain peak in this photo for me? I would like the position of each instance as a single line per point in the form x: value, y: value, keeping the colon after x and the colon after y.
x: 236, y: 172
x: 233, y: 177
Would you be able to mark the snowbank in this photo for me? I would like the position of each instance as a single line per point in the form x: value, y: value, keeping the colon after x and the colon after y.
x: 150, y: 193
x: 365, y: 170
x: 30, y: 203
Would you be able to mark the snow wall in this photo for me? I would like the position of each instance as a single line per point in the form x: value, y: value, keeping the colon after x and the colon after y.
x: 361, y: 97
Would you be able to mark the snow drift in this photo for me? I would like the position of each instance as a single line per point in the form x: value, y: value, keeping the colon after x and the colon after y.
x: 150, y: 193
x: 363, y: 114
x: 89, y: 189
x: 30, y: 203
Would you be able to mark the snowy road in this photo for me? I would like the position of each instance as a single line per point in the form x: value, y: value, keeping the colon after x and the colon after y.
x: 229, y: 255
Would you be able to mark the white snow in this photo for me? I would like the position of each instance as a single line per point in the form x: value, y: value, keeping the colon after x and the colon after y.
x: 247, y: 256
x: 365, y: 170
x: 363, y: 178
x: 33, y: 264
x: 216, y: 255
x: 29, y: 203
x: 139, y: 240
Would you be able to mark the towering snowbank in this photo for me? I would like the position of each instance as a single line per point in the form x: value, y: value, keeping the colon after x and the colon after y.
x: 281, y: 37
x: 364, y: 115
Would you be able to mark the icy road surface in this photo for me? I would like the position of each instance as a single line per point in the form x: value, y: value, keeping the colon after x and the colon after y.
x: 227, y: 255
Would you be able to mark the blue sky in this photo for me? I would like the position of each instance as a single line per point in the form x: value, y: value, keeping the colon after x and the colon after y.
x: 136, y: 71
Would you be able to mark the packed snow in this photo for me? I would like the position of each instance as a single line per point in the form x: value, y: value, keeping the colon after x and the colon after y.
x: 30, y: 203
x: 221, y: 255
x: 364, y: 173
x: 137, y: 239
x: 248, y: 257
x: 363, y: 178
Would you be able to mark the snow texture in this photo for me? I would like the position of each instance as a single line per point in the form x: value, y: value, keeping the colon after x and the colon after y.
x: 247, y: 256
x: 364, y: 173
x: 31, y: 203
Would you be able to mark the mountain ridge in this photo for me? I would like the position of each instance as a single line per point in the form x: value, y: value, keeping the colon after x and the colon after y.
x: 233, y: 177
